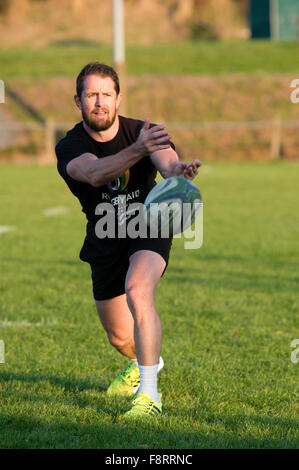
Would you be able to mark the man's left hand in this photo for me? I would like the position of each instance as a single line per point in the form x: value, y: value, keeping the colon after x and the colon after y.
x: 187, y: 170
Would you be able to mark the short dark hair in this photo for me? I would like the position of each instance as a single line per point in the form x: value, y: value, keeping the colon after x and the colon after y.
x: 96, y: 68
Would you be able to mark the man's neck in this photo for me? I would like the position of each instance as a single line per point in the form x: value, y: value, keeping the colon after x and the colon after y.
x: 103, y: 136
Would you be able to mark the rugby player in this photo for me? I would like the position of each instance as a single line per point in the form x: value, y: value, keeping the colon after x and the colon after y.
x: 104, y: 156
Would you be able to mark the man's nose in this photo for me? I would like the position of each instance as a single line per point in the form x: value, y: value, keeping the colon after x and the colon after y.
x: 99, y: 100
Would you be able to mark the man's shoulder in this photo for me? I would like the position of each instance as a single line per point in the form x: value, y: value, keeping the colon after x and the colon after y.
x: 131, y: 124
x: 73, y: 144
x: 73, y: 136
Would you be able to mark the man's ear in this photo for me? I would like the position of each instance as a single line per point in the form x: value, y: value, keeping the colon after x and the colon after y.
x: 118, y: 100
x: 78, y: 101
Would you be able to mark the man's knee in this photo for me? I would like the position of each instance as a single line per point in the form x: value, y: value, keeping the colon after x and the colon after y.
x: 140, y: 297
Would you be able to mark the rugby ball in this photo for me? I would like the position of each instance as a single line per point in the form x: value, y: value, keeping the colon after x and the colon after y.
x: 171, y: 207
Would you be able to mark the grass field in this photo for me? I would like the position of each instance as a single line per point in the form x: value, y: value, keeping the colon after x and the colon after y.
x: 200, y: 57
x: 229, y: 313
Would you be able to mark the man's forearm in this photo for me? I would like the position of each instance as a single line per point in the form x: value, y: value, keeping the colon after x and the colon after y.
x: 166, y: 162
x: 109, y: 168
x: 90, y: 169
x: 95, y: 171
x: 169, y: 170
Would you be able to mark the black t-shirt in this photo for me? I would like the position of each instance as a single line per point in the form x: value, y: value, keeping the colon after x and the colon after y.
x: 135, y: 183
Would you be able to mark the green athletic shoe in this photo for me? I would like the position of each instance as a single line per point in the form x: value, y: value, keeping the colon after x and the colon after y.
x: 126, y: 384
x: 144, y: 407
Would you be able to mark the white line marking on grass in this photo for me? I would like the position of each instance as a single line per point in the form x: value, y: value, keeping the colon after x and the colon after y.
x: 6, y: 228
x: 52, y: 211
x: 21, y: 323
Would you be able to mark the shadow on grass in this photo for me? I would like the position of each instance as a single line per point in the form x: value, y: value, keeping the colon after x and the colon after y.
x: 72, y: 393
x: 95, y: 422
x: 235, y: 422
x: 67, y: 433
x: 68, y: 383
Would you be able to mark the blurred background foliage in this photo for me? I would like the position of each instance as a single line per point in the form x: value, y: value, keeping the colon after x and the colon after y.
x: 187, y: 61
x: 39, y: 22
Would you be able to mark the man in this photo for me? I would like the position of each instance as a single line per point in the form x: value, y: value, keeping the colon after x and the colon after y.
x: 102, y: 158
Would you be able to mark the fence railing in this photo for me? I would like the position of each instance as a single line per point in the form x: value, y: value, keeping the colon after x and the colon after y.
x: 50, y: 129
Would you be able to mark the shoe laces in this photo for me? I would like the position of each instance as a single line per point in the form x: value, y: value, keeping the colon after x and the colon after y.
x: 147, y: 406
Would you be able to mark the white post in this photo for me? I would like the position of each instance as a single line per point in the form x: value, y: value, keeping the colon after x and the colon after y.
x: 274, y: 19
x: 118, y: 32
x: 119, y: 47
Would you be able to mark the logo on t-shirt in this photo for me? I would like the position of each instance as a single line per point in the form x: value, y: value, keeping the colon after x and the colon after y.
x: 120, y: 183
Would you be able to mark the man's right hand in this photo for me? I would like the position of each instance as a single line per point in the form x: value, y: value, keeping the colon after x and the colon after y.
x: 88, y: 168
x: 152, y: 139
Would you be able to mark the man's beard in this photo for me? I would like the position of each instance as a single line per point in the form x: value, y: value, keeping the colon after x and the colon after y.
x: 98, y: 124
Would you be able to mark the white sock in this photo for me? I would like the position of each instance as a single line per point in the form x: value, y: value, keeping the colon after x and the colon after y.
x: 135, y: 361
x: 148, y: 381
x: 161, y: 363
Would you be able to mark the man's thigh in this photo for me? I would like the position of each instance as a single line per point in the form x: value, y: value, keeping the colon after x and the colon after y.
x: 145, y: 270
x: 109, y: 279
x: 144, y: 273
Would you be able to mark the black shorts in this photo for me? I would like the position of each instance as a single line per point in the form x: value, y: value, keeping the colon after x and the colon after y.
x: 108, y: 279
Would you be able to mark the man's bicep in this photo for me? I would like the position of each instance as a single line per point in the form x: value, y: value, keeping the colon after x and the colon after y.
x: 79, y: 168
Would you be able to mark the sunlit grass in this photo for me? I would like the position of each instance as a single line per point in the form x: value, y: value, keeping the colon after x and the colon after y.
x: 201, y: 57
x: 229, y: 313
